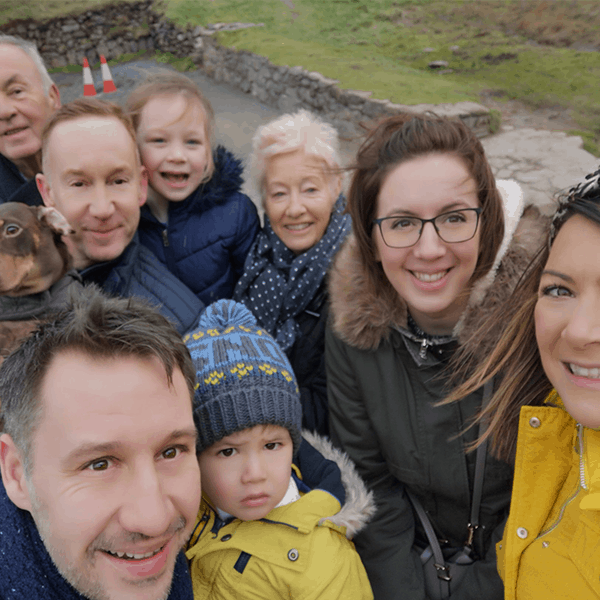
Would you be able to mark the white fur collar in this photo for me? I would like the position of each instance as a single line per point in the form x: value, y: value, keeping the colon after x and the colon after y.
x: 513, y: 205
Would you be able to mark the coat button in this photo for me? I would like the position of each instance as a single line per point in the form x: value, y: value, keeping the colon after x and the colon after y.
x: 226, y: 537
x: 293, y: 554
x: 535, y: 422
x: 522, y: 532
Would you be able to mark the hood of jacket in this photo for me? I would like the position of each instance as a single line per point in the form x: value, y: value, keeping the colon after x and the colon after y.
x: 225, y: 181
x: 363, y: 316
x: 358, y: 506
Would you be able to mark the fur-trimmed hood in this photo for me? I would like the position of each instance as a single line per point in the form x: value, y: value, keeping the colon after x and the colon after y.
x: 359, y: 506
x: 225, y: 181
x: 340, y: 498
x: 363, y: 317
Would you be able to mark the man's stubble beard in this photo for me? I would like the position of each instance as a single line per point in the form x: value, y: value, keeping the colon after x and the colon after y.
x: 85, y: 583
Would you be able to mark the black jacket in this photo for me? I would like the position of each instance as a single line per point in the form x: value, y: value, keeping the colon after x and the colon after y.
x: 307, y: 357
x: 382, y: 392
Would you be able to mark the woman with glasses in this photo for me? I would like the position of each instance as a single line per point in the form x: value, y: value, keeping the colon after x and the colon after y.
x: 437, y: 242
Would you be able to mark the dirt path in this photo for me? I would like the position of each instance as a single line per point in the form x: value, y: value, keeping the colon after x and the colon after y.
x: 516, y: 115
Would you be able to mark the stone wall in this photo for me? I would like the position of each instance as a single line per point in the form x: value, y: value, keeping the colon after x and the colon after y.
x: 291, y: 88
x: 131, y: 27
x: 112, y: 30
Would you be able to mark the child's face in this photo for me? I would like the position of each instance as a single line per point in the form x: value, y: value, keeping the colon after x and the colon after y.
x: 173, y: 145
x: 248, y: 472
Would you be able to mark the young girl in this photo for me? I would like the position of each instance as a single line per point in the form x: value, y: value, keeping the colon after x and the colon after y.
x: 435, y: 245
x: 547, y: 408
x: 196, y: 220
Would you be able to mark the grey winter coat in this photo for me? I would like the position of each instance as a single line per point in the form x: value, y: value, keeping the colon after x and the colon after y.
x: 382, y: 389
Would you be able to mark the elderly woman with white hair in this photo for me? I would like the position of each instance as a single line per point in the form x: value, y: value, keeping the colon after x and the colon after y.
x: 295, y: 168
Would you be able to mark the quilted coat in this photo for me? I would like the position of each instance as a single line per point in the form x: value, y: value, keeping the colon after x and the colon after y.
x: 208, y: 235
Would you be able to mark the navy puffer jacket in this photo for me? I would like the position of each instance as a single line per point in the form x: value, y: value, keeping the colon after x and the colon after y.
x: 137, y: 272
x: 208, y: 235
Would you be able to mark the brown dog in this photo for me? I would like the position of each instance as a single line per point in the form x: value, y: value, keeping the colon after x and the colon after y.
x: 32, y: 254
x: 33, y: 258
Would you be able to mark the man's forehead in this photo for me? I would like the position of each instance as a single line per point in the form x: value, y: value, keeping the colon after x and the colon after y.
x: 82, y: 392
x: 98, y: 136
x: 91, y: 126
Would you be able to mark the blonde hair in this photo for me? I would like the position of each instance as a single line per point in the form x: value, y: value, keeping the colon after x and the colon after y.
x: 290, y: 132
x: 167, y: 83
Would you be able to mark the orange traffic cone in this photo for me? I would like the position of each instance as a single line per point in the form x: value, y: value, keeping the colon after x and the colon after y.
x: 109, y: 84
x: 88, y: 82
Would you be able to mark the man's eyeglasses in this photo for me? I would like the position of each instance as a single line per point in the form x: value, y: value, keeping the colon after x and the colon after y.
x: 452, y: 227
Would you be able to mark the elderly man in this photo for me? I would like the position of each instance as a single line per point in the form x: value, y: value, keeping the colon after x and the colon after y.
x: 28, y: 98
x: 100, y: 482
x: 94, y: 177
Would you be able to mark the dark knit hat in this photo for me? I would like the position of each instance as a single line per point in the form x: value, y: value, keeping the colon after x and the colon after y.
x: 244, y: 378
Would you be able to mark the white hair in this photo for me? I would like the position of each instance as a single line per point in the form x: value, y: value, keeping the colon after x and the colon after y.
x: 31, y: 51
x: 298, y: 131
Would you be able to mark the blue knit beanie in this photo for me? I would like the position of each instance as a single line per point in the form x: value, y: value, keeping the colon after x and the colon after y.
x: 244, y: 378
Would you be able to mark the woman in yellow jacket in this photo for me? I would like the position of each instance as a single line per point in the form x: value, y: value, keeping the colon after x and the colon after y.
x: 545, y: 412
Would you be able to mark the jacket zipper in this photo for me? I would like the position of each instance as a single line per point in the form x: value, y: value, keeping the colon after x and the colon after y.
x: 581, y: 459
x: 582, y: 484
x: 424, y: 346
x: 165, y: 238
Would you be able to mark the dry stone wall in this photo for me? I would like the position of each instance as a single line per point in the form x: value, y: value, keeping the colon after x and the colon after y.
x: 132, y: 27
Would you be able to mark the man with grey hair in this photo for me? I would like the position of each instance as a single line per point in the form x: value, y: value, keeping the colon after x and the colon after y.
x: 28, y: 98
x: 100, y: 483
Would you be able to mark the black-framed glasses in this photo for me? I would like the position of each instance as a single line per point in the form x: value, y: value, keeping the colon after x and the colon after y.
x: 452, y: 227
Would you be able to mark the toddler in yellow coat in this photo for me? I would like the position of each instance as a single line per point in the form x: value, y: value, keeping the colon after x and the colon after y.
x: 277, y: 511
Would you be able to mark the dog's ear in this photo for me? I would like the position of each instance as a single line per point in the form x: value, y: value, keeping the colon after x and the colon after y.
x: 54, y: 220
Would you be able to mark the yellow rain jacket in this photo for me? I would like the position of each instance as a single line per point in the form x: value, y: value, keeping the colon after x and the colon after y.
x: 298, y: 551
x: 551, y: 544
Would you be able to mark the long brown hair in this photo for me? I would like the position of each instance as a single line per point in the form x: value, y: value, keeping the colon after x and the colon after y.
x: 515, y: 361
x: 403, y: 137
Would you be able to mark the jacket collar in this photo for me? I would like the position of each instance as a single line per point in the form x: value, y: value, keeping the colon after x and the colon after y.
x: 28, y: 571
x: 587, y: 448
x: 39, y: 305
x: 99, y: 272
x: 363, y: 317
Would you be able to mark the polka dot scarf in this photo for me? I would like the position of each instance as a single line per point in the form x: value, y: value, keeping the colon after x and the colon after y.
x: 277, y: 285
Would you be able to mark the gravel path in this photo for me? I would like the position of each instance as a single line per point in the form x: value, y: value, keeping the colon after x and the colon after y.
x: 544, y: 162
